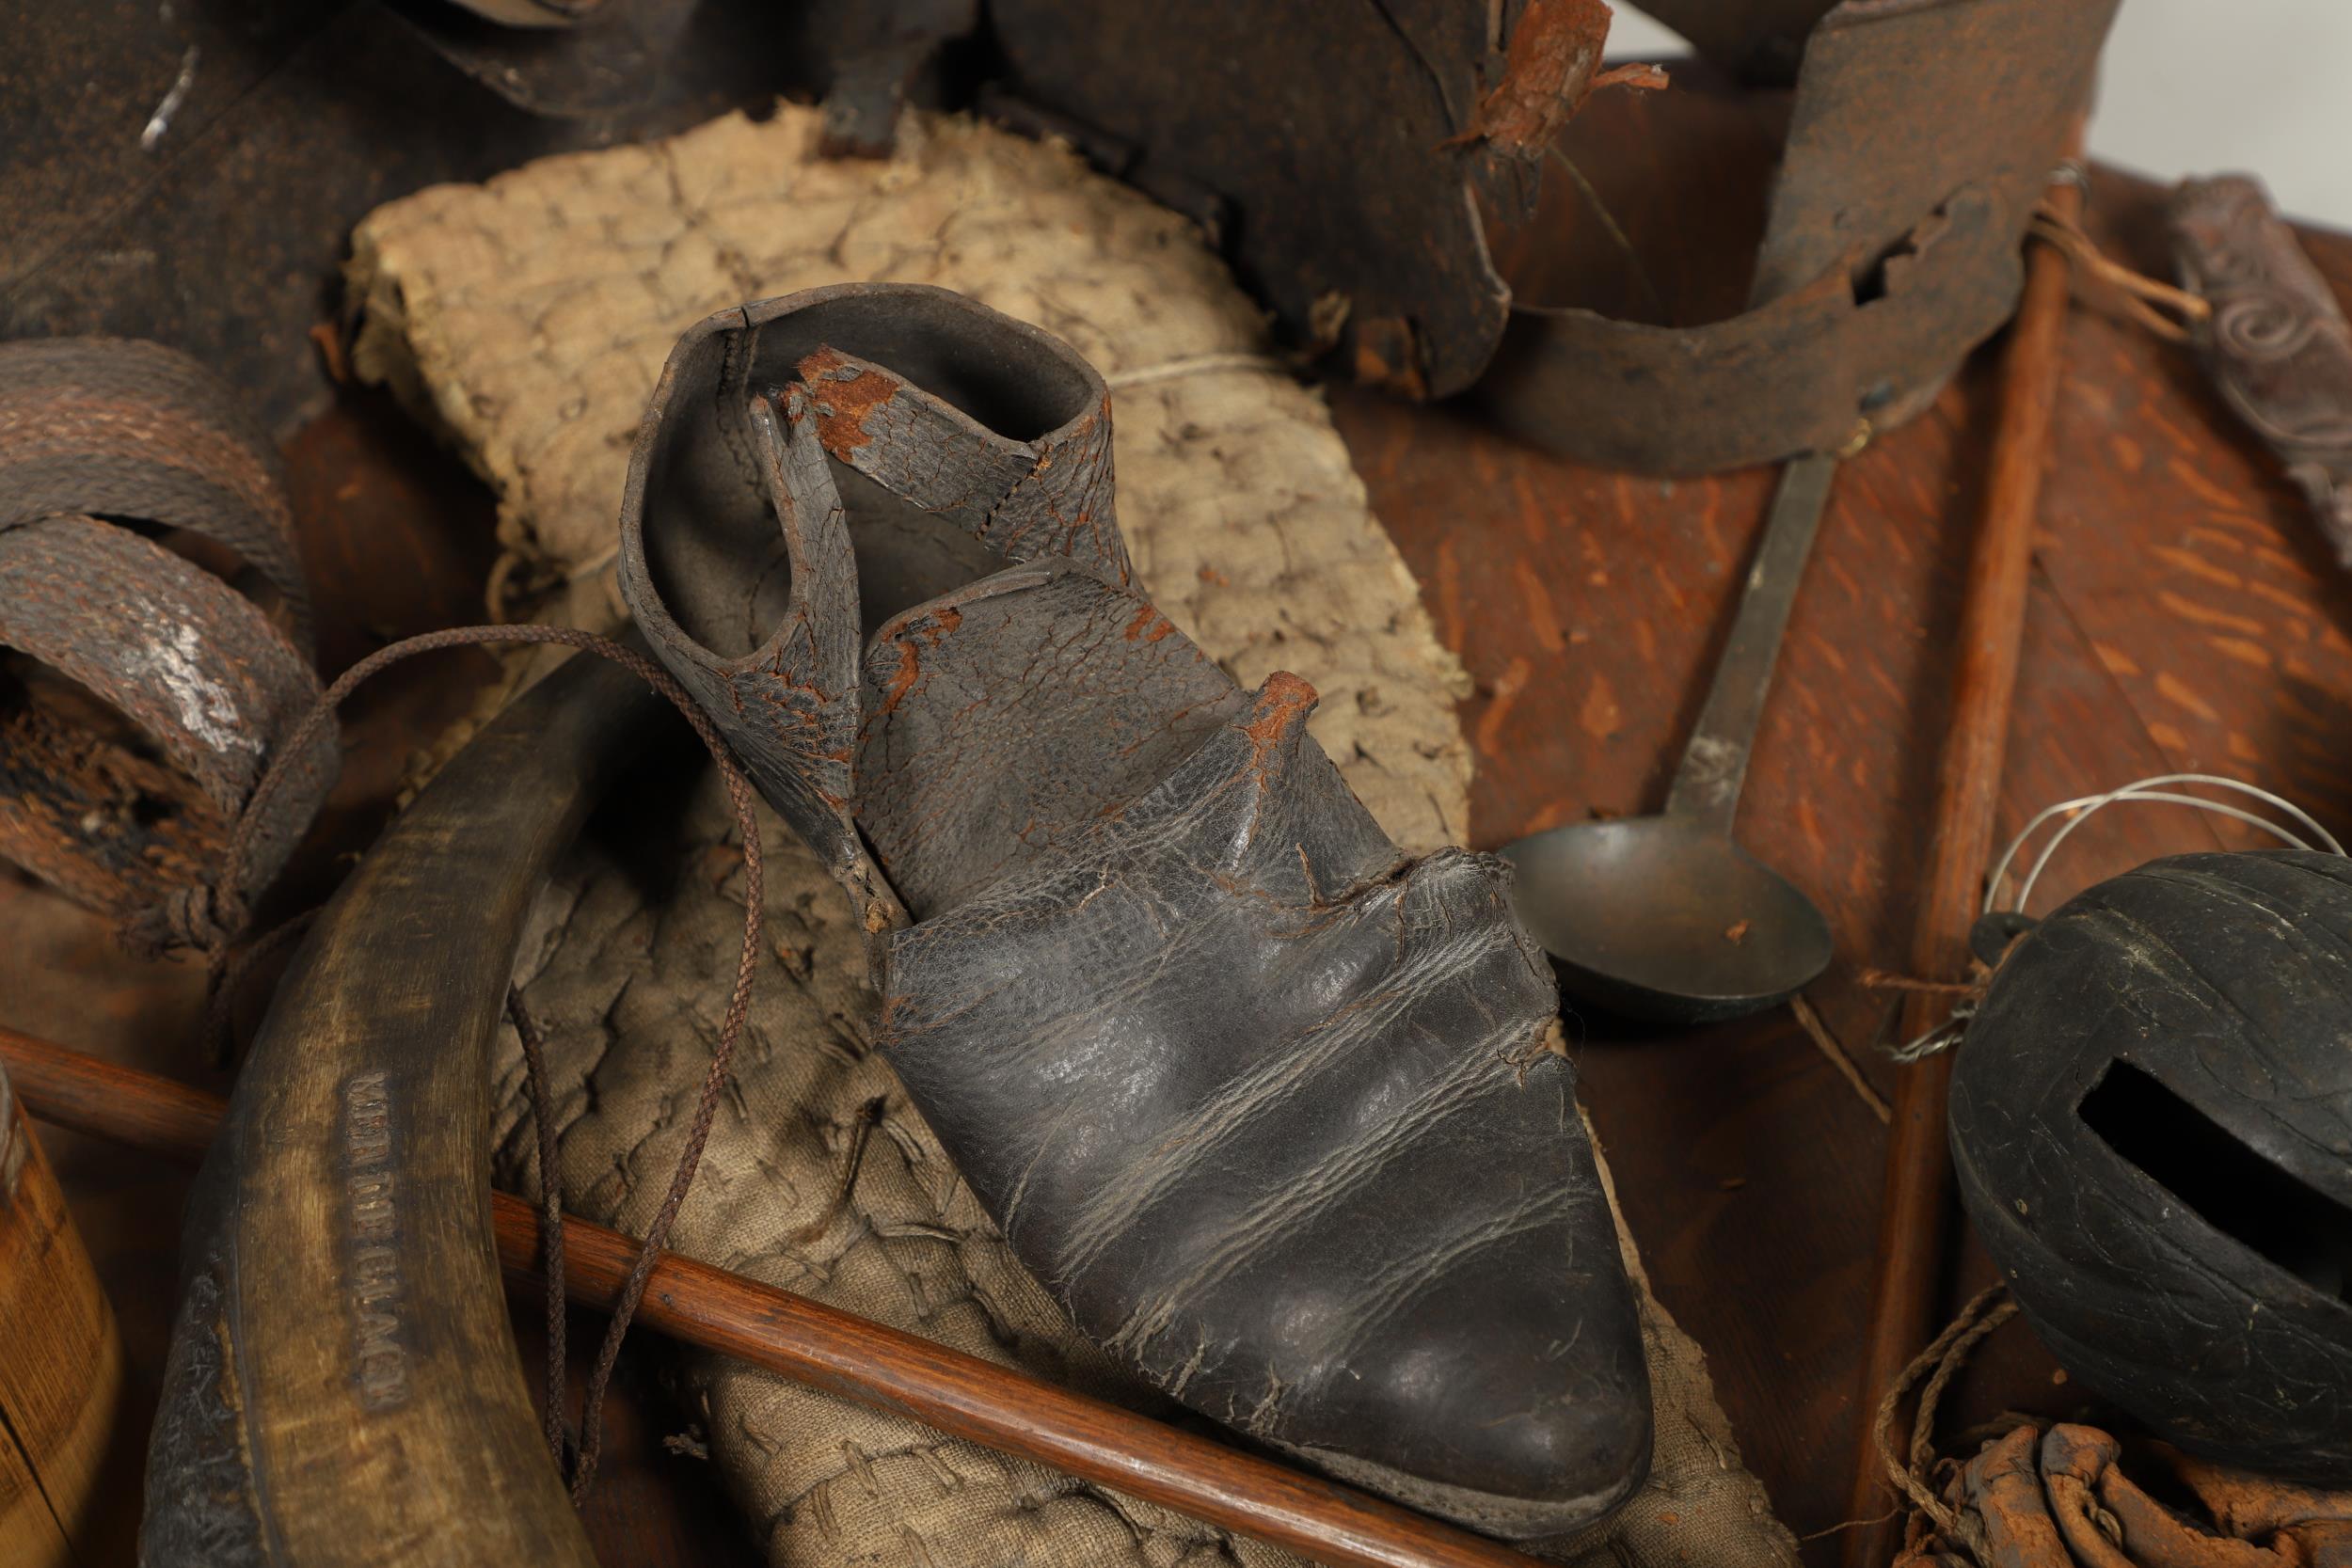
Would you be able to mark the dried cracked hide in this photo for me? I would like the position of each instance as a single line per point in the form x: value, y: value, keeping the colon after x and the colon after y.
x: 527, y: 319
x: 821, y: 1178
x: 2061, y: 1499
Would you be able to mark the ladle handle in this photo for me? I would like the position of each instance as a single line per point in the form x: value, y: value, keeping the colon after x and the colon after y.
x: 1715, y: 760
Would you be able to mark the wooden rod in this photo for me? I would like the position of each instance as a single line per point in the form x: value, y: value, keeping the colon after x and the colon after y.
x: 1913, y: 1218
x: 841, y: 1353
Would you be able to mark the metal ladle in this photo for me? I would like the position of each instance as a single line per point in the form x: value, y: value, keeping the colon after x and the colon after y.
x: 1664, y: 917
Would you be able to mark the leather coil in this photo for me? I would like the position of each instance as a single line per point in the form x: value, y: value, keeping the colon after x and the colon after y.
x: 105, y: 445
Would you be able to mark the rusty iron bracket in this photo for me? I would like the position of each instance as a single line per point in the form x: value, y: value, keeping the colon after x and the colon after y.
x: 1358, y: 160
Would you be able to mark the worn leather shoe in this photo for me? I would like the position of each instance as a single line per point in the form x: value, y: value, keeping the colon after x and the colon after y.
x: 1272, y: 1108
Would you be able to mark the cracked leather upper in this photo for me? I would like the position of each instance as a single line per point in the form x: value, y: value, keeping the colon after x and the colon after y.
x: 1271, y: 1112
x: 1267, y: 1105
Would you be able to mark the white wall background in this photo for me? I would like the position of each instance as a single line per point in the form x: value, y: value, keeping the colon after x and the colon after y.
x: 2198, y: 86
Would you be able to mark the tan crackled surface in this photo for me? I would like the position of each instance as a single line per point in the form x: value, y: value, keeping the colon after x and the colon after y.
x: 528, y: 318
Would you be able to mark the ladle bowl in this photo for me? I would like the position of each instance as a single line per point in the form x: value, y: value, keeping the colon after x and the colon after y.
x: 1660, y: 918
x: 1664, y: 917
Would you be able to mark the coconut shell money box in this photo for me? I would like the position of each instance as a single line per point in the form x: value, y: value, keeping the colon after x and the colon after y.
x: 2151, y: 1127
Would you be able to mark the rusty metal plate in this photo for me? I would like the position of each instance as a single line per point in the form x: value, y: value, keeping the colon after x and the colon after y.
x: 1337, y: 152
x: 1923, y: 133
x: 1903, y: 105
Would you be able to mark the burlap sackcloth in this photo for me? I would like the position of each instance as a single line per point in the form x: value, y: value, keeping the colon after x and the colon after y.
x: 527, y: 319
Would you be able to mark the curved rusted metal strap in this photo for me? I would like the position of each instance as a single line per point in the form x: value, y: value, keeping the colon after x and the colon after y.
x: 1922, y: 136
x: 96, y: 428
x: 343, y: 1385
x: 1924, y: 133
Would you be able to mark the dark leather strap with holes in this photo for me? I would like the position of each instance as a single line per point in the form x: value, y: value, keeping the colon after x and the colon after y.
x: 115, y: 427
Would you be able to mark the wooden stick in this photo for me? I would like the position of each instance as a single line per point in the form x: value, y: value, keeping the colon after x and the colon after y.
x: 61, y: 1371
x: 840, y: 1352
x: 1915, y: 1214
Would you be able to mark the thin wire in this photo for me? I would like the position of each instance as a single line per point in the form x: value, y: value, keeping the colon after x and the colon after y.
x: 2148, y: 789
x: 1617, y: 236
x: 2140, y: 786
x: 2079, y: 811
x: 1942, y: 1038
x: 2162, y: 797
x: 1196, y: 364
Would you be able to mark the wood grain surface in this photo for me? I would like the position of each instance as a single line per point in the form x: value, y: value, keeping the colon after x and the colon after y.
x: 61, y: 1435
x: 2181, y: 615
x: 1916, y: 1199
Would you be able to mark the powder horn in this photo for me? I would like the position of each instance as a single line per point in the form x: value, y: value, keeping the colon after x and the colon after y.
x: 343, y: 1386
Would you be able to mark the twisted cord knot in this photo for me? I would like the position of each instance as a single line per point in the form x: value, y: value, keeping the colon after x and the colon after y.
x: 204, y: 918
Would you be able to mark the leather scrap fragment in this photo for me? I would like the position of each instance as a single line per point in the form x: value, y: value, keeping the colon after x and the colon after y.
x: 1547, y: 70
x: 2065, y: 1496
